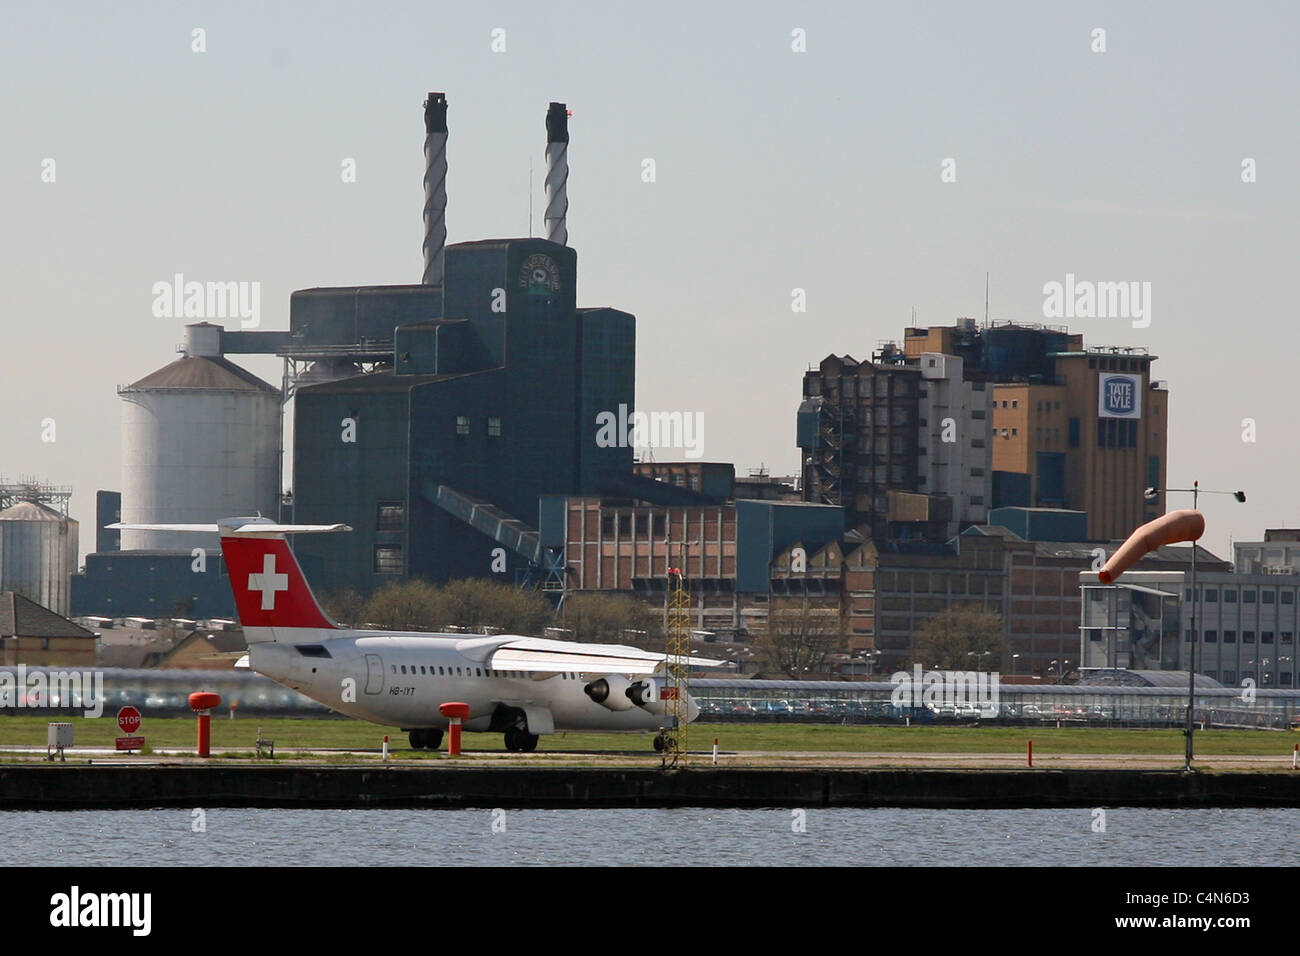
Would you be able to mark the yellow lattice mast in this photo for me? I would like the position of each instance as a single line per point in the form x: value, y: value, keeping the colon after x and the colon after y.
x: 677, y: 682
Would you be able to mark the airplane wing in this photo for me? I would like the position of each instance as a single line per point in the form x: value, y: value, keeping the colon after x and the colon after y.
x: 256, y: 527
x: 553, y: 657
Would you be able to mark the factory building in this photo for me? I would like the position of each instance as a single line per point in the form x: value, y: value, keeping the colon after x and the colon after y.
x: 1006, y: 415
x: 1246, y: 620
x: 38, y: 545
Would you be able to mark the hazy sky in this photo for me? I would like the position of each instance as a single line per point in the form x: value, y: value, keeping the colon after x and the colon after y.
x: 774, y: 170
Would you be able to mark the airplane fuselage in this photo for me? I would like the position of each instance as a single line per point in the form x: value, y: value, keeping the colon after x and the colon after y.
x: 399, y: 680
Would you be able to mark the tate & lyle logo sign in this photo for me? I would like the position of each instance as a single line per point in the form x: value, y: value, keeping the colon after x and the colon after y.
x: 1119, y: 396
x: 539, y: 275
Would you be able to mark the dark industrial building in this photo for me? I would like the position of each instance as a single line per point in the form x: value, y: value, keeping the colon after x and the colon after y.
x: 491, y: 400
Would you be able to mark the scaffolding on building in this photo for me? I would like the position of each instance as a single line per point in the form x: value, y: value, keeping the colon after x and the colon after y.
x: 32, y: 489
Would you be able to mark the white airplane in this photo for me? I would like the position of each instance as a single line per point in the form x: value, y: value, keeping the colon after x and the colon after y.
x: 522, y: 687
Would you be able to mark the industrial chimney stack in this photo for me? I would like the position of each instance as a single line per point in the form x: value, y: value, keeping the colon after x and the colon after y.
x: 435, y: 187
x: 557, y: 173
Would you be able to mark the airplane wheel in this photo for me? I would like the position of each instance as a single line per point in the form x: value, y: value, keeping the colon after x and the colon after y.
x: 527, y: 742
x: 512, y: 739
x: 417, y: 738
x: 434, y: 739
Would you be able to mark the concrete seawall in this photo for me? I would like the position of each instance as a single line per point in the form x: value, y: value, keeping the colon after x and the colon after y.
x: 44, y: 787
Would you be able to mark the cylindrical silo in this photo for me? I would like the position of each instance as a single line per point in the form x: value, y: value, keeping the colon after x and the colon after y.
x: 38, y: 554
x: 200, y: 442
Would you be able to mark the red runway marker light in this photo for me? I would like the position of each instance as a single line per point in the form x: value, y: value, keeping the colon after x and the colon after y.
x: 455, y: 712
x: 203, y: 702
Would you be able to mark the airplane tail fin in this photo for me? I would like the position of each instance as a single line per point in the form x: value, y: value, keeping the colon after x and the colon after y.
x: 271, y: 594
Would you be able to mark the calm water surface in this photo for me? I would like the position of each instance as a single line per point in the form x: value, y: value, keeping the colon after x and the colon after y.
x: 853, y: 837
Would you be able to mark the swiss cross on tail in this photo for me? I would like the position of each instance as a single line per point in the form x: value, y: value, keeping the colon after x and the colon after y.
x: 270, y: 590
x: 268, y: 582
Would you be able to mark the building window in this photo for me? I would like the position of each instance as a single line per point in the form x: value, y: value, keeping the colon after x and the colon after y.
x: 1230, y: 677
x: 1266, y: 637
x: 607, y: 526
x: 390, y: 515
x: 1247, y: 597
x: 1248, y: 637
x: 1074, y: 433
x: 1268, y: 597
x: 1229, y: 595
x: 1288, y: 597
x: 1211, y: 595
x: 494, y: 426
x: 1015, y: 431
x: 977, y: 414
x: 977, y: 499
x: 977, y: 442
x: 388, y: 559
x: 1015, y: 403
x: 977, y: 472
x: 1211, y: 637
x: 462, y: 424
x: 1004, y: 433
x: 1288, y: 637
x: 1230, y: 637
x: 977, y: 386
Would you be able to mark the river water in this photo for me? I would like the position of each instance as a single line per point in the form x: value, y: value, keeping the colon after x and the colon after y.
x: 816, y: 837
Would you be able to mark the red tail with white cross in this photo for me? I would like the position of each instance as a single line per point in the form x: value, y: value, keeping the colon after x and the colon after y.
x: 270, y: 590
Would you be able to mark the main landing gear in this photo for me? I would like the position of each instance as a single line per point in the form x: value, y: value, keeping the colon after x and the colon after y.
x: 425, y: 738
x: 520, y: 741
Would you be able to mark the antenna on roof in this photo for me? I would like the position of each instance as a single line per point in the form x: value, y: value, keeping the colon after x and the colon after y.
x: 986, y: 299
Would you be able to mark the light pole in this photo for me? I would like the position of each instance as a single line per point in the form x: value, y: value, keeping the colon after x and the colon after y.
x: 1151, y: 494
x: 1014, y: 658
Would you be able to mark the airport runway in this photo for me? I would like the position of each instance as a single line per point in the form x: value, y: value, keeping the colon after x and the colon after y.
x: 726, y: 759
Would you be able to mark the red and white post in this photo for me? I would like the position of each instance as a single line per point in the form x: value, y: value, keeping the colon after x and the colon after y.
x: 203, y: 703
x: 455, y: 712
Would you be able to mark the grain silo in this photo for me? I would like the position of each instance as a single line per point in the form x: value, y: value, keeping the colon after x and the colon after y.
x: 38, y: 554
x: 200, y: 441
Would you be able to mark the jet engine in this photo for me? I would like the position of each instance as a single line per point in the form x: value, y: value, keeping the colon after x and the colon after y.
x: 612, y: 693
x: 643, y: 692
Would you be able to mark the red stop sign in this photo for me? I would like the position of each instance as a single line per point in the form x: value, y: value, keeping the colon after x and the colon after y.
x: 128, y: 718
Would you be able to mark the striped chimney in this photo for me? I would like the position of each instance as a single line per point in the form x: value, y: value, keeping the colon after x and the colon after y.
x: 435, y: 186
x: 557, y: 173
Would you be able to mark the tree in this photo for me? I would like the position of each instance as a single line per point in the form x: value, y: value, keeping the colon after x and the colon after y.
x: 347, y: 606
x: 962, y: 638
x: 476, y: 603
x: 404, y: 606
x: 799, y: 638
x: 605, y: 618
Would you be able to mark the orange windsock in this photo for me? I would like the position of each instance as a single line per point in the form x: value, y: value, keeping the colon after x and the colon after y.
x: 1186, y: 525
